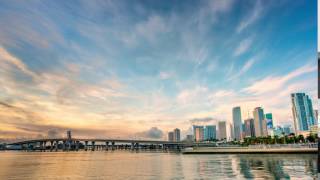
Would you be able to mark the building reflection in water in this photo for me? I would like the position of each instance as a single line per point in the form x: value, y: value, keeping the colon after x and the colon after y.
x: 276, y: 166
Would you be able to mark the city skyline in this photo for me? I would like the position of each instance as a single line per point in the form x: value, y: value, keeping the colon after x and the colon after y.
x: 120, y: 69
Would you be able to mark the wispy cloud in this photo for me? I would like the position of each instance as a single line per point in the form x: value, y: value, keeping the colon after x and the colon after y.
x: 5, y: 56
x: 272, y: 83
x: 243, y: 47
x: 247, y: 65
x: 252, y: 17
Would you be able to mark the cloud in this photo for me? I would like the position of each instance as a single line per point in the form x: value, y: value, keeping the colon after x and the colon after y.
x: 243, y: 47
x: 223, y: 93
x: 248, y: 64
x: 189, y: 96
x: 165, y: 75
x: 152, y: 133
x: 152, y: 27
x: 254, y: 15
x: 54, y: 133
x: 272, y: 83
x: 201, y: 120
x: 5, y: 56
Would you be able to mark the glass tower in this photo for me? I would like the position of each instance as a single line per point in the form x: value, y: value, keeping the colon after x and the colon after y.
x: 302, y: 111
x: 210, y: 132
x: 258, y: 121
x: 237, y: 124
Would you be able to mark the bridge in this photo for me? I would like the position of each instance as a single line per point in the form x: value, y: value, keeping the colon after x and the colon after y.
x: 75, y: 144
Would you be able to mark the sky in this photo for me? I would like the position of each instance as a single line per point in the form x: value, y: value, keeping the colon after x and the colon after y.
x: 138, y: 69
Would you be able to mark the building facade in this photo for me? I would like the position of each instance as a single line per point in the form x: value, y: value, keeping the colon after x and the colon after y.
x: 302, y: 111
x: 170, y: 136
x: 176, y: 135
x: 198, y: 133
x: 222, y: 130
x: 210, y: 132
x: 269, y: 120
x: 231, y: 132
x: 316, y: 116
x: 249, y: 128
x: 237, y: 124
x: 258, y: 121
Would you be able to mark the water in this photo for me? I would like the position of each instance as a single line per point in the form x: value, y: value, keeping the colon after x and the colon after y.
x: 154, y: 165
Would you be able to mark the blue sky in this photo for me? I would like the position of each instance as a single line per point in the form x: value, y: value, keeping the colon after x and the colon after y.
x: 128, y: 66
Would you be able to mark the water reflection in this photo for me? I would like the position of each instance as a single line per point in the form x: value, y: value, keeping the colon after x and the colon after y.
x: 121, y: 165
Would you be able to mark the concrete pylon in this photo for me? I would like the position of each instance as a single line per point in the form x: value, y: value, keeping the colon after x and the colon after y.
x: 56, y: 146
x: 112, y: 145
x: 93, y: 145
x: 107, y: 146
x: 51, y: 145
x: 77, y: 145
x: 63, y: 145
x: 86, y: 145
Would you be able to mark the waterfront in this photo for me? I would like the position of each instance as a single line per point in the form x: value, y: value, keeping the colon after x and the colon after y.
x: 154, y: 165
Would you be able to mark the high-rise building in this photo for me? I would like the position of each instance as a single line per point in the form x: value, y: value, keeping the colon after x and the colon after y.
x: 222, y: 130
x: 189, y: 138
x: 264, y: 128
x: 237, y: 124
x: 198, y: 132
x: 231, y: 132
x: 302, y: 111
x: 269, y: 120
x: 170, y: 136
x: 242, y: 132
x: 316, y: 116
x: 286, y: 129
x: 176, y: 135
x: 277, y: 131
x: 210, y: 132
x: 258, y: 121
x: 249, y: 127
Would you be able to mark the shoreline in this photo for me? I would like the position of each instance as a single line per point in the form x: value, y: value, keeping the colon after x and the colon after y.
x: 252, y: 151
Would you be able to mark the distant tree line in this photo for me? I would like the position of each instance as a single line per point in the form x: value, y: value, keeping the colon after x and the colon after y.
x: 285, y: 139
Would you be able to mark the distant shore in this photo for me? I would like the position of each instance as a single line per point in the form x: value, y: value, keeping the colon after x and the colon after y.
x: 245, y: 150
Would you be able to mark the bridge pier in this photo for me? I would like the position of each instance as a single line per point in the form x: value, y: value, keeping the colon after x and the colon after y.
x: 29, y: 147
x: 112, y: 145
x: 56, y: 146
x: 86, y: 145
x: 44, y: 145
x: 77, y: 145
x: 107, y: 146
x: 41, y: 145
x: 92, y: 145
x: 51, y: 145
x: 23, y: 147
x: 63, y: 145
x: 69, y: 145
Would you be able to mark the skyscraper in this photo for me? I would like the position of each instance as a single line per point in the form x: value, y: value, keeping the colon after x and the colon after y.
x: 286, y: 129
x: 170, y: 136
x: 302, y: 111
x: 316, y: 117
x: 198, y: 133
x: 258, y: 121
x: 176, y: 135
x: 231, y: 132
x: 269, y: 120
x: 236, y: 116
x: 222, y: 130
x: 210, y: 132
x: 249, y: 127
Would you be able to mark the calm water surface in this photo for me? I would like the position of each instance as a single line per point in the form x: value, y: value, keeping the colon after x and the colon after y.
x: 147, y: 165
